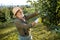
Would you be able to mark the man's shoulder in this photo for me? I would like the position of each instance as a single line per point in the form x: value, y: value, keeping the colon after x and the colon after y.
x: 17, y: 20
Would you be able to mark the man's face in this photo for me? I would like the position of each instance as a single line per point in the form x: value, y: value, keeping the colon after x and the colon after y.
x: 20, y: 14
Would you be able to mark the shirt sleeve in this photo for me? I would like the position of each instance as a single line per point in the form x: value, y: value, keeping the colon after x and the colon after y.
x: 27, y: 17
x: 22, y: 25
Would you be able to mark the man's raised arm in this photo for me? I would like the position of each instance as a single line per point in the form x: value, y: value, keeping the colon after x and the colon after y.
x: 31, y: 15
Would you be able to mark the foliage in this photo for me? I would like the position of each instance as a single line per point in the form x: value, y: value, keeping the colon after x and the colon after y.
x: 49, y: 11
x: 5, y: 13
x: 49, y: 15
x: 39, y: 32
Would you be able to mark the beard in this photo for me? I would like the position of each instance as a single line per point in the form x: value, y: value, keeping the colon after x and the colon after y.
x: 22, y: 15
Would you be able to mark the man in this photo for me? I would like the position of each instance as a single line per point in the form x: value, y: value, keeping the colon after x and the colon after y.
x: 21, y: 23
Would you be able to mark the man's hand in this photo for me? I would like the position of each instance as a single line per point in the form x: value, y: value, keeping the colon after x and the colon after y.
x: 35, y: 22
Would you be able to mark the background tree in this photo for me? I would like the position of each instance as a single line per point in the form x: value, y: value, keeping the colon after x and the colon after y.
x: 49, y: 11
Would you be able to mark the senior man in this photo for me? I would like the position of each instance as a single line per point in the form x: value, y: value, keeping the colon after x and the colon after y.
x: 22, y: 25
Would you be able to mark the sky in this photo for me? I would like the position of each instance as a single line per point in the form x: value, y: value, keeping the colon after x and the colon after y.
x: 13, y: 2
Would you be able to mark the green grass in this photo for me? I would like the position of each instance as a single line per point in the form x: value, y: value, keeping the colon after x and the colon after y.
x: 8, y: 33
x: 39, y: 32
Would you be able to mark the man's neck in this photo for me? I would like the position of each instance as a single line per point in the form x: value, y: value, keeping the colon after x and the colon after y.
x: 22, y: 19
